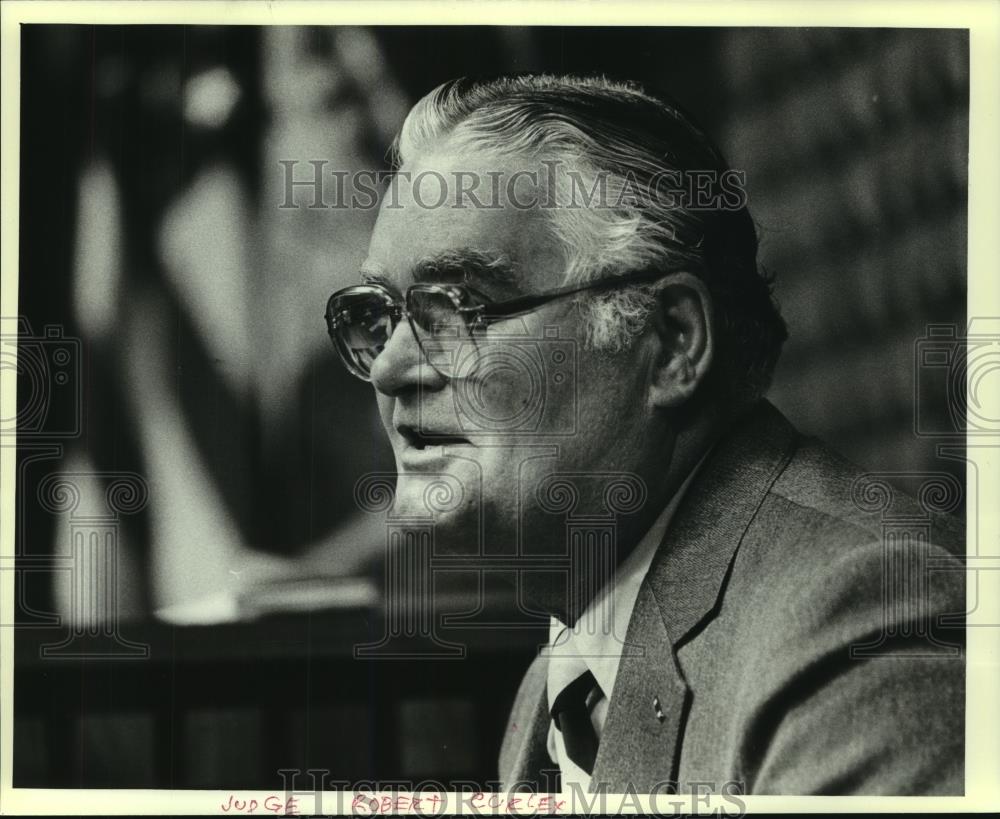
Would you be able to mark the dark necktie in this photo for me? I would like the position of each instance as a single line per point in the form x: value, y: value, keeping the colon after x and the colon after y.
x: 572, y: 718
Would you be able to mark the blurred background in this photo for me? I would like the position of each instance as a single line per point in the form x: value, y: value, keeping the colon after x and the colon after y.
x: 173, y: 312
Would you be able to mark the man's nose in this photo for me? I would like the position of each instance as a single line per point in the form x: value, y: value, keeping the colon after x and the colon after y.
x: 402, y: 366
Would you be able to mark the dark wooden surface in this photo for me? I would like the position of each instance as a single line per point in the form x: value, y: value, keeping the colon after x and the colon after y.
x: 229, y: 706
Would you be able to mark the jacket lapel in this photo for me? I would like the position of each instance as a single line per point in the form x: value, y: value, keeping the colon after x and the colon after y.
x: 642, y: 734
x: 647, y: 708
x: 524, y: 754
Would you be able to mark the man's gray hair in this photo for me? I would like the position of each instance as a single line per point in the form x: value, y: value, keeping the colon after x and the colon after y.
x: 618, y: 140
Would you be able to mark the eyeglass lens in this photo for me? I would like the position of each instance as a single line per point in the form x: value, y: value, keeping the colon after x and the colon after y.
x: 442, y: 330
x: 364, y: 321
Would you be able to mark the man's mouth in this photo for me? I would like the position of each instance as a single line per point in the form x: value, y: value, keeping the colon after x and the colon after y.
x: 423, y: 438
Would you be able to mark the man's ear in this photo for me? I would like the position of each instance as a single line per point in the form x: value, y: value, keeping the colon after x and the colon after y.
x: 685, y: 338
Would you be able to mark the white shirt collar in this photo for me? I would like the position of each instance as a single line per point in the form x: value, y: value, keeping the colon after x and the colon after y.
x: 599, y: 647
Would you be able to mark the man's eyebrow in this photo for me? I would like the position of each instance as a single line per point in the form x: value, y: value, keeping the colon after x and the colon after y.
x: 372, y: 272
x: 467, y: 264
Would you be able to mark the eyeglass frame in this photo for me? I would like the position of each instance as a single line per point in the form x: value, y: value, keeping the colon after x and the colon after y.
x: 486, y: 313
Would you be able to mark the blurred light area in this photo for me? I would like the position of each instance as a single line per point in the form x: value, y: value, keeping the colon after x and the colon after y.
x: 197, y: 559
x: 97, y: 278
x: 362, y: 58
x: 307, y: 253
x: 208, y: 250
x: 78, y: 593
x: 212, y: 609
x: 210, y: 97
x: 297, y: 81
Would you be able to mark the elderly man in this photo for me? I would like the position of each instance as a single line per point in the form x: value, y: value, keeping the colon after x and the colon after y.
x: 562, y: 301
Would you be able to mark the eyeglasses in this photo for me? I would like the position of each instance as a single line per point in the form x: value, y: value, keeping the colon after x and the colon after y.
x: 449, y: 321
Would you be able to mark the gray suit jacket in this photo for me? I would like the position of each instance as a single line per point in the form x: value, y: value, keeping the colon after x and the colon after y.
x: 801, y: 628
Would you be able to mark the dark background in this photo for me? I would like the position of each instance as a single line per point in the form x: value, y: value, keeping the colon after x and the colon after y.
x: 152, y: 241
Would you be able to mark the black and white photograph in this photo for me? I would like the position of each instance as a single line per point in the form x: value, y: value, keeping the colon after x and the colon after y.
x: 495, y: 417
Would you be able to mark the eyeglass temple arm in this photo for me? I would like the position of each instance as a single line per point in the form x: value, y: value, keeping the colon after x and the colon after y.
x: 524, y: 304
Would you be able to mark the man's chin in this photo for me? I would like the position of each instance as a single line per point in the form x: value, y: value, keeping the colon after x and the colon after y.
x: 429, y: 497
x: 462, y: 521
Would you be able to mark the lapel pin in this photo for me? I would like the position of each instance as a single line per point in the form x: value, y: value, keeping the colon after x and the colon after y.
x: 658, y: 708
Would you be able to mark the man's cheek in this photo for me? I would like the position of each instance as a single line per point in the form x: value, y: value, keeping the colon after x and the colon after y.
x: 504, y: 398
x: 385, y: 407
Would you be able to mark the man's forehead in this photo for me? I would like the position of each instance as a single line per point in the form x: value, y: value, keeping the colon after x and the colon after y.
x: 417, y: 234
